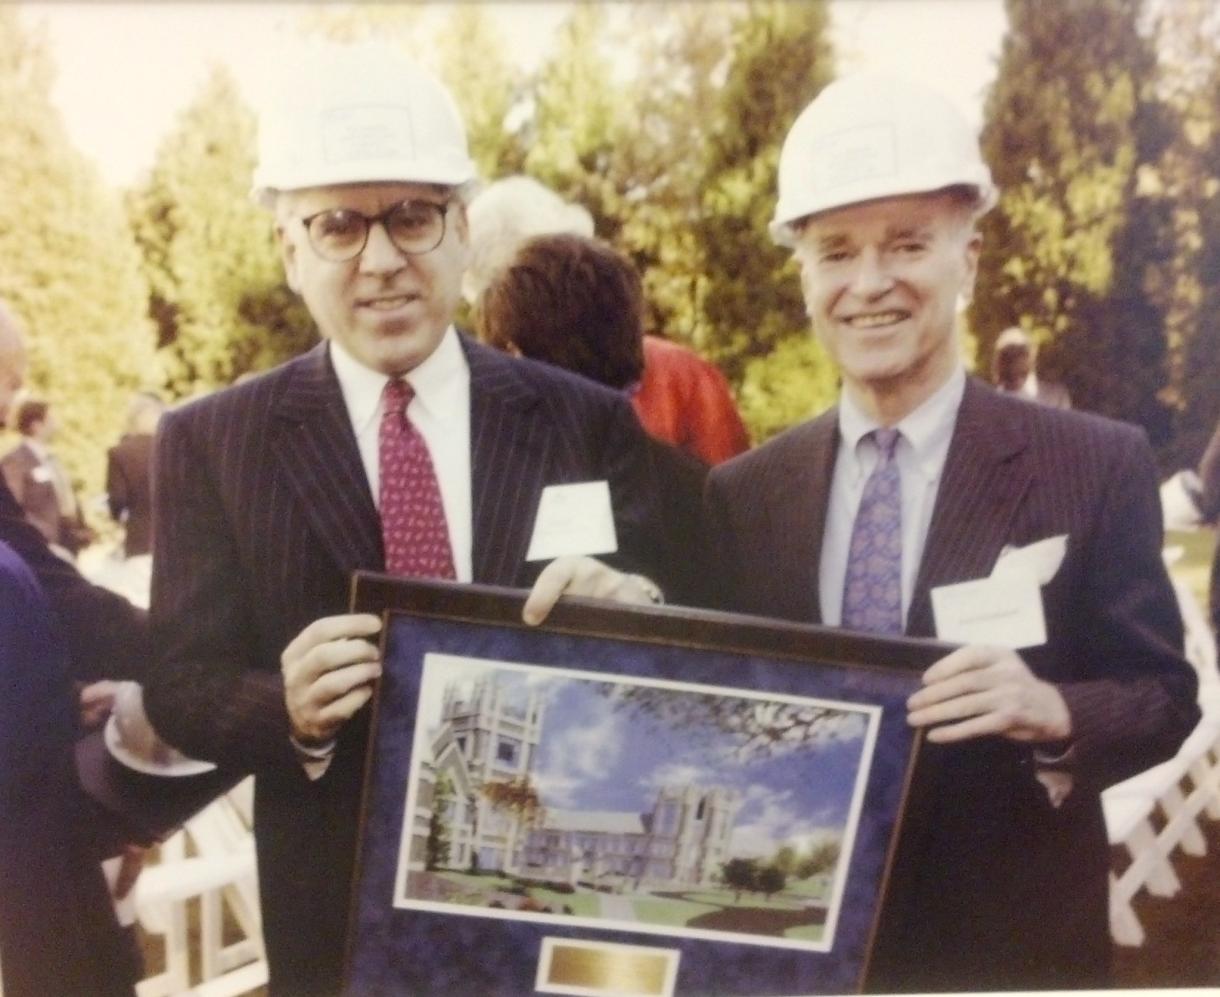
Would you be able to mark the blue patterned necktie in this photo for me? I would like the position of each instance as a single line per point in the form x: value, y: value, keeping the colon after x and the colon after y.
x: 872, y: 589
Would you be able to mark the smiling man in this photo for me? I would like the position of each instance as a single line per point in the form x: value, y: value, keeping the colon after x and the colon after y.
x: 921, y: 477
x: 397, y: 444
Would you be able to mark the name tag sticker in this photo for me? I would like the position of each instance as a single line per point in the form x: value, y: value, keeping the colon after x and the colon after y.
x: 573, y: 519
x: 1005, y: 609
x: 41, y: 473
x: 1042, y: 558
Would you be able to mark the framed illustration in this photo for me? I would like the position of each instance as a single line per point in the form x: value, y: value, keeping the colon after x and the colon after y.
x: 623, y: 800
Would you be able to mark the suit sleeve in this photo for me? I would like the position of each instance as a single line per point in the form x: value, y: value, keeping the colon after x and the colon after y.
x: 106, y: 636
x: 206, y: 694
x: 718, y: 557
x: 1137, y: 704
x: 634, y: 496
x: 14, y: 479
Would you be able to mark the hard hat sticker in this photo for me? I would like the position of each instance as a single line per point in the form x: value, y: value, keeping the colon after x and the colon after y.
x: 856, y: 154
x: 368, y: 132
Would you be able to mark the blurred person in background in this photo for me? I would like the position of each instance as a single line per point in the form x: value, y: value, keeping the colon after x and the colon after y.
x: 58, y: 930
x: 575, y: 302
x: 1012, y: 371
x: 41, y: 486
x: 680, y: 398
x: 129, y: 474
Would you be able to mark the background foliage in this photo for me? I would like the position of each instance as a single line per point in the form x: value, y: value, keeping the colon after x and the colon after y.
x: 1102, y: 128
x: 70, y: 269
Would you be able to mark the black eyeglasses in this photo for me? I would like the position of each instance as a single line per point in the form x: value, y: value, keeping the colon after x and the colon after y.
x: 414, y: 228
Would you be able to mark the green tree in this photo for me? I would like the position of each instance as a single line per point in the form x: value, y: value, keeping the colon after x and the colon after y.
x: 1188, y: 178
x: 821, y: 857
x: 218, y: 293
x: 71, y: 269
x: 436, y: 845
x: 1070, y: 122
x: 750, y: 301
x: 739, y: 874
x: 754, y: 730
x: 578, y: 120
x: 486, y: 87
x: 682, y: 56
x: 770, y: 880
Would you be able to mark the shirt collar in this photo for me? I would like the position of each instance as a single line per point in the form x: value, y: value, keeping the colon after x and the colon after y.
x: 362, y: 386
x: 928, y: 429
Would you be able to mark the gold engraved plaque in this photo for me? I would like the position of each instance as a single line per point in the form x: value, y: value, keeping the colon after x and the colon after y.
x: 602, y: 969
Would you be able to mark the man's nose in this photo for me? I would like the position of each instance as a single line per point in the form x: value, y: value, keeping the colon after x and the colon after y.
x: 380, y: 255
x: 871, y: 278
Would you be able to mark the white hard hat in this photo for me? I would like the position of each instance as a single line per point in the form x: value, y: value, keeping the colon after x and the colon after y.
x: 358, y: 113
x: 868, y: 136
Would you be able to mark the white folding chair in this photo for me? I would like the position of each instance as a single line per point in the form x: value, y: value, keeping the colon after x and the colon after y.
x: 1183, y: 789
x: 221, y: 872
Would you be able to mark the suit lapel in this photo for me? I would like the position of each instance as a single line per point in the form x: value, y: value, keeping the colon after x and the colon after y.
x: 509, y: 457
x: 798, y: 514
x: 983, y: 484
x: 318, y: 457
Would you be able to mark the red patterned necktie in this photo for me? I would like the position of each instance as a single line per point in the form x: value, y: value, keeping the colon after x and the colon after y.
x: 412, y: 516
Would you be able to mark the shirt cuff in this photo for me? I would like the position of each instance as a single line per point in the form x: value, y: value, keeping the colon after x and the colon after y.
x: 314, y: 758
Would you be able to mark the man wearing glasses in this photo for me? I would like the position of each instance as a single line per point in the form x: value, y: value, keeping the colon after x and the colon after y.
x: 396, y: 444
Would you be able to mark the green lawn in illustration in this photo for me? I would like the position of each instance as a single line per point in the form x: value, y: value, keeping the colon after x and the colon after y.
x: 787, y: 914
x: 582, y: 904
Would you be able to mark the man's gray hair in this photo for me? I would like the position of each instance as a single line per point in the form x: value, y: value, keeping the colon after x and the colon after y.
x: 507, y: 212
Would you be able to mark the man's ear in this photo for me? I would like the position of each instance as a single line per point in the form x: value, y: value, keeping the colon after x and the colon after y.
x: 972, y: 249
x: 461, y: 226
x: 288, y: 256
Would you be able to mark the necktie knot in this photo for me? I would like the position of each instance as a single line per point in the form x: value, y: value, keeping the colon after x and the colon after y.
x: 886, y: 440
x: 397, y: 396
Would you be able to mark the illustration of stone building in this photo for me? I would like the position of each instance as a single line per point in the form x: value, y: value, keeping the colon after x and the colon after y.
x: 682, y: 841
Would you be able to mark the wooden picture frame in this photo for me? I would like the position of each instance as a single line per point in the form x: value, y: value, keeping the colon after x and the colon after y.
x: 625, y: 800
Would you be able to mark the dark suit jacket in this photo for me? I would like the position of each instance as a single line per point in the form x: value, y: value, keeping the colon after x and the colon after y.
x: 58, y: 933
x: 680, y: 480
x: 1008, y: 892
x: 262, y: 512
x: 129, y: 489
x: 106, y: 636
x: 36, y: 494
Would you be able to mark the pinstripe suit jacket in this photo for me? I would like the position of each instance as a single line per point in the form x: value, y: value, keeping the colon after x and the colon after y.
x: 262, y: 511
x: 1008, y: 891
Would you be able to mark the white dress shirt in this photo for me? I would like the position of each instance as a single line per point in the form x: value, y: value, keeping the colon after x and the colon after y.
x: 920, y: 455
x: 440, y: 411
